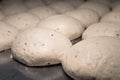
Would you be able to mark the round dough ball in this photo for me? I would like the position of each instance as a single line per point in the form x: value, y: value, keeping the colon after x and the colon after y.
x: 66, y: 25
x: 13, y: 9
x: 40, y: 47
x: 61, y: 6
x: 22, y: 21
x: 102, y: 29
x: 48, y: 2
x: 105, y: 2
x: 32, y: 4
x: 86, y: 16
x: 111, y: 17
x: 93, y: 59
x: 7, y: 35
x: 42, y: 12
x: 75, y: 3
x: 101, y: 9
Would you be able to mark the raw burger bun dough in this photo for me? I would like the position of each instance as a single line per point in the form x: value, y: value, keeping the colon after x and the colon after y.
x: 105, y: 2
x: 111, y: 17
x: 22, y: 21
x: 94, y: 59
x: 7, y: 35
x: 102, y: 29
x: 101, y: 9
x: 12, y: 9
x: 75, y: 3
x: 32, y: 4
x: 86, y: 16
x: 42, y: 12
x: 39, y: 47
x: 66, y: 25
x: 61, y: 6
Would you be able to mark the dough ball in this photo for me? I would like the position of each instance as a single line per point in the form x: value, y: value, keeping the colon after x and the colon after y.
x: 101, y: 9
x: 42, y: 12
x: 61, y: 6
x: 86, y: 16
x: 75, y: 3
x: 48, y: 2
x: 13, y: 9
x: 102, y: 29
x: 93, y: 59
x: 66, y: 25
x: 32, y: 4
x: 39, y: 47
x: 111, y: 17
x: 7, y: 35
x: 22, y: 21
x: 105, y: 2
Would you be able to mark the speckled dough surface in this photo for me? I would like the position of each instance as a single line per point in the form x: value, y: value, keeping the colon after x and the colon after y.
x: 94, y: 59
x: 39, y: 47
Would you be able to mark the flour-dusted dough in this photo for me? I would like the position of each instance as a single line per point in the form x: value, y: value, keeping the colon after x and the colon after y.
x: 7, y: 36
x: 32, y: 4
x: 12, y: 9
x: 94, y: 59
x: 66, y: 25
x: 42, y: 12
x: 61, y: 6
x: 111, y: 17
x: 22, y: 21
x: 86, y: 16
x: 40, y: 47
x: 102, y: 29
x: 101, y: 9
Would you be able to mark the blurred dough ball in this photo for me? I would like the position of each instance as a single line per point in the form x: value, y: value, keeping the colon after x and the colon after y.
x: 101, y: 9
x: 42, y: 12
x: 75, y: 3
x: 7, y: 35
x: 40, y: 47
x: 13, y: 9
x: 34, y: 3
x: 102, y: 29
x: 22, y: 21
x: 61, y: 6
x: 68, y: 26
x: 86, y: 16
x: 111, y: 17
x: 105, y: 2
x: 48, y: 2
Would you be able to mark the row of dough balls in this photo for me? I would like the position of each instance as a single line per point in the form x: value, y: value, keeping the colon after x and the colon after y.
x: 71, y: 24
x: 59, y: 6
x: 33, y: 18
x: 37, y: 42
x: 97, y: 56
